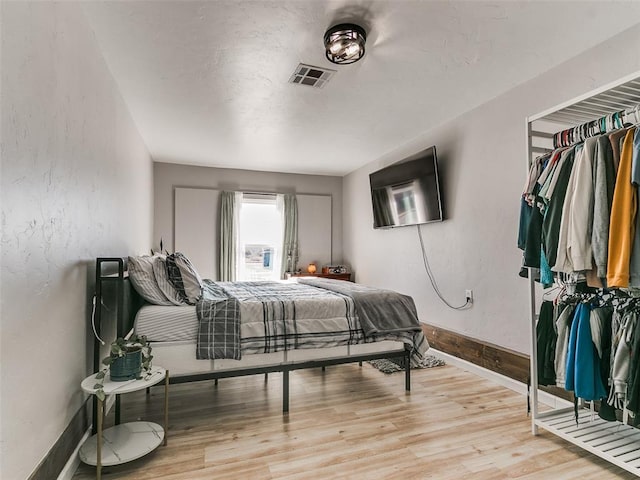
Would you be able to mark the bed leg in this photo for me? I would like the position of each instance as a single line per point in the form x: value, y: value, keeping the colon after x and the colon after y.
x: 360, y: 363
x: 215, y: 381
x: 324, y: 368
x: 407, y: 371
x: 148, y: 390
x: 285, y: 391
x: 266, y: 377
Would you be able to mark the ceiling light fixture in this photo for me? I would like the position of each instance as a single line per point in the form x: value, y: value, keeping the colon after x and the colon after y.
x: 344, y: 43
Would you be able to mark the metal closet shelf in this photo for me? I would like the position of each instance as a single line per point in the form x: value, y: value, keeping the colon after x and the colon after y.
x: 615, y: 442
x: 604, y: 101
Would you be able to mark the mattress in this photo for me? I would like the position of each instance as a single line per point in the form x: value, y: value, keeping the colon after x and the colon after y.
x: 160, y: 323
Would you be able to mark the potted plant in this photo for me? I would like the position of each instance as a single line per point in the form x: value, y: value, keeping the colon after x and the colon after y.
x: 130, y: 359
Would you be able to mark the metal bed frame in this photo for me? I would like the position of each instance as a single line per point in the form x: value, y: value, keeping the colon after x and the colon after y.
x: 112, y: 272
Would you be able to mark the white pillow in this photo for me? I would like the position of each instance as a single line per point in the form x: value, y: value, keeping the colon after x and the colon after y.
x: 144, y: 281
x: 184, y: 277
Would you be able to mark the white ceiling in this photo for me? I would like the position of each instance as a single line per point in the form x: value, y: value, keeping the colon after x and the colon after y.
x: 207, y: 81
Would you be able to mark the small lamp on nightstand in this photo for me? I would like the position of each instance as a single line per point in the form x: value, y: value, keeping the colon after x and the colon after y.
x: 311, y: 268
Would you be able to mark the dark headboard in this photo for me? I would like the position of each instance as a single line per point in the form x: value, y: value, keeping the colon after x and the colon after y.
x: 117, y: 302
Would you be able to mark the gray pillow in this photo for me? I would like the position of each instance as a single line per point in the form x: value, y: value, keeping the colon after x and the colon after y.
x: 166, y: 287
x: 184, y: 277
x: 144, y: 281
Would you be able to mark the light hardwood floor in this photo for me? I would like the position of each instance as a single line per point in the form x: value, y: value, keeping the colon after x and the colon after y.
x: 351, y: 422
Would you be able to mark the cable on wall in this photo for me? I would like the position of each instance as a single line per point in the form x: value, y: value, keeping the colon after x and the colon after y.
x: 432, y: 279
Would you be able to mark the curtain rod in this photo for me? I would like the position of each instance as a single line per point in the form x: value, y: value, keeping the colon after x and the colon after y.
x: 265, y: 194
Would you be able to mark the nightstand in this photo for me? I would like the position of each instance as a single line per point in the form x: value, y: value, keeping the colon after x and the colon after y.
x: 335, y: 276
x: 127, y: 441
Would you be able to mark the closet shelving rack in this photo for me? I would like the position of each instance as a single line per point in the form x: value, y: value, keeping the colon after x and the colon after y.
x: 615, y: 442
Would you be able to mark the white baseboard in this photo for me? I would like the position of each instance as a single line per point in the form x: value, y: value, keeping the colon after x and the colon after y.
x: 510, y: 383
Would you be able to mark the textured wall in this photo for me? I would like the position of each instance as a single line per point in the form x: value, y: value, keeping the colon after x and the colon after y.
x: 482, y: 161
x: 76, y: 184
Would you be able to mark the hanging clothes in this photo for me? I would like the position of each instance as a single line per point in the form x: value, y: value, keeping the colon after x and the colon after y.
x: 574, y: 249
x: 583, y: 201
x: 634, y: 262
x: 523, y: 225
x: 558, y: 159
x: 546, y: 337
x: 563, y: 327
x: 600, y: 323
x: 614, y: 138
x: 583, y: 365
x: 533, y: 245
x: 621, y: 361
x: 622, y: 225
x: 553, y: 216
x: 535, y: 170
x: 603, y: 185
x: 633, y: 382
x: 546, y: 275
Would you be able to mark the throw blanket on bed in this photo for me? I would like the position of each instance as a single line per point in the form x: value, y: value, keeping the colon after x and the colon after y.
x: 265, y: 317
x: 218, y: 324
x: 379, y: 311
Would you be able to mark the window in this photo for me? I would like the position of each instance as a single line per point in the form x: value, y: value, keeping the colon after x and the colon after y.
x: 260, y: 238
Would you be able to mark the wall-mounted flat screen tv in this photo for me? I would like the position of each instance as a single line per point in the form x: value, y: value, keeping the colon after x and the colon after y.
x: 407, y: 192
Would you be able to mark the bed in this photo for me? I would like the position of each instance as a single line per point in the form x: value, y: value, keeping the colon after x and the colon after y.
x: 246, y: 328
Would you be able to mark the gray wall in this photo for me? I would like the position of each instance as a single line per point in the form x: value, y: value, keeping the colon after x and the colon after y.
x: 76, y: 184
x: 482, y: 161
x: 168, y: 176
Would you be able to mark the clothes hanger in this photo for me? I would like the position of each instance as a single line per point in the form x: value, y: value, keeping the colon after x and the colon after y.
x: 550, y: 291
x: 619, y: 119
x: 596, y: 127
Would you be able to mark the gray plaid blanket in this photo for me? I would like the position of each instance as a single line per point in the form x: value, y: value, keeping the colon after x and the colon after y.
x: 237, y: 318
x: 218, y: 324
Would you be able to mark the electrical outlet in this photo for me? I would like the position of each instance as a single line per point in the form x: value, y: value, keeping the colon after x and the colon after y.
x: 469, y: 295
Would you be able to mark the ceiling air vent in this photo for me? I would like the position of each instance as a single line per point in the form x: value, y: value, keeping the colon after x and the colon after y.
x: 311, y: 76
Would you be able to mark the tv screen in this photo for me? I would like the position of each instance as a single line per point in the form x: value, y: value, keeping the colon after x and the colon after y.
x: 407, y: 192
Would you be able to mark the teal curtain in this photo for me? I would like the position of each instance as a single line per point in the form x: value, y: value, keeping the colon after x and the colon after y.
x: 229, y: 214
x: 288, y: 205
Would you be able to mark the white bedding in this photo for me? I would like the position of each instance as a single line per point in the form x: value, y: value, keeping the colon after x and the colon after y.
x: 161, y: 323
